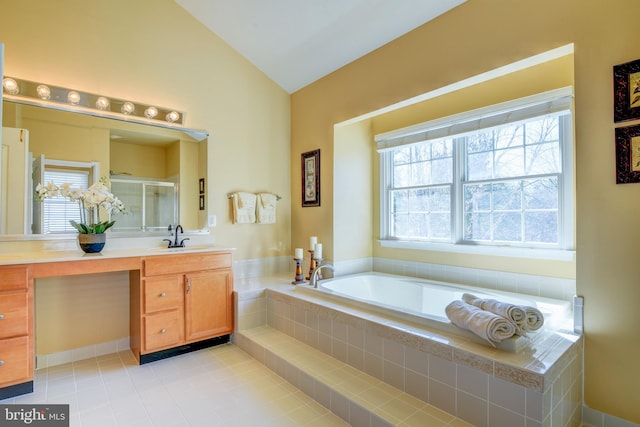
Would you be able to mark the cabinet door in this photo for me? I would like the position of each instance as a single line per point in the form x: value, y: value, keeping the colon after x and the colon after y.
x: 208, y: 304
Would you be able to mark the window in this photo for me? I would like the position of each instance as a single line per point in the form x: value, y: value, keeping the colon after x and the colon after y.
x: 58, y: 211
x: 499, y: 176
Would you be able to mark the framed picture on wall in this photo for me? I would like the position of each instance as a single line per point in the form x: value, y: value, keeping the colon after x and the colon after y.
x: 311, y: 178
x: 201, y: 184
x: 626, y: 91
x: 628, y: 154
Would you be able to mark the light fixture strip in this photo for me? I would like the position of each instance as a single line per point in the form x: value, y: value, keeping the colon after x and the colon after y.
x: 44, y: 93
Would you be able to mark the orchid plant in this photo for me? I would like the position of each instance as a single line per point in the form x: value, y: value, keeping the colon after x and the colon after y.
x: 91, y: 201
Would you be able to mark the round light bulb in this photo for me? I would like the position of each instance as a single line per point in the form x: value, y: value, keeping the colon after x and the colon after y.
x: 44, y: 92
x: 151, y: 112
x: 73, y: 97
x: 102, y: 103
x: 173, y: 116
x: 128, y: 108
x: 10, y: 86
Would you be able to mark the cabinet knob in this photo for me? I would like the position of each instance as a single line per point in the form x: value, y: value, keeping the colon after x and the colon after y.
x: 1, y: 362
x: 163, y: 294
x: 163, y: 331
x: 1, y: 316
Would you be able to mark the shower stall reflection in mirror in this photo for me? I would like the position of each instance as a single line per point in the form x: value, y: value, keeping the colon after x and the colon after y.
x: 151, y: 205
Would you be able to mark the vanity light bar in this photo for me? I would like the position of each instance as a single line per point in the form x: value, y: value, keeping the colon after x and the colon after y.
x: 44, y: 94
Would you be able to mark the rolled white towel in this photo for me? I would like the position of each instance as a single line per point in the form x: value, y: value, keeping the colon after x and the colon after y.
x: 512, y: 312
x: 487, y: 325
x: 526, y: 318
x: 535, y: 319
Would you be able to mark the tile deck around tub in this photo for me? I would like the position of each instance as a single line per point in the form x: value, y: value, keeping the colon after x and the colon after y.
x: 537, y: 386
x: 533, y: 367
x: 356, y: 397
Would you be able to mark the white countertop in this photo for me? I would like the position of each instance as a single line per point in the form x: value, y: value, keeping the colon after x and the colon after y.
x: 78, y: 255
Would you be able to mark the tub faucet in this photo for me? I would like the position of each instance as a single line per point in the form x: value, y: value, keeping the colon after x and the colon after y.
x: 316, y: 271
x: 175, y: 244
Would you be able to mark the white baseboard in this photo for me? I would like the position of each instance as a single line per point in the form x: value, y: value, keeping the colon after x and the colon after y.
x: 68, y: 356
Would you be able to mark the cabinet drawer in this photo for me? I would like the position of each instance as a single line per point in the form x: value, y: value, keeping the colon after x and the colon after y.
x: 184, y: 263
x: 162, y: 330
x: 162, y: 293
x: 14, y: 360
x: 14, y: 315
x: 13, y: 278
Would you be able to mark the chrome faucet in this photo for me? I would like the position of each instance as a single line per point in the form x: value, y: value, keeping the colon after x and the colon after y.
x: 314, y: 275
x: 175, y: 243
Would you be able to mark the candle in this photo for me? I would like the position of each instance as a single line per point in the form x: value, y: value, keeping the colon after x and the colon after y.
x: 318, y: 252
x: 298, y: 254
x: 312, y: 243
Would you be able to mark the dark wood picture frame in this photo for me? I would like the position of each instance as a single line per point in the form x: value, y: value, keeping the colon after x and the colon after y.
x: 202, y: 202
x: 628, y: 154
x: 626, y: 91
x: 201, y: 181
x: 310, y: 167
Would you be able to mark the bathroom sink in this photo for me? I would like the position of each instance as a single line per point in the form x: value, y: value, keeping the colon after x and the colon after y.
x: 183, y: 249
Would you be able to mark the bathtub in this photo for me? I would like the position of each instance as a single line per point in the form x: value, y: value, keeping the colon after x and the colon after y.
x: 423, y: 301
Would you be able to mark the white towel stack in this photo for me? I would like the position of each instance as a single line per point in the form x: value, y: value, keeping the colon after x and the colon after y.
x: 526, y: 318
x: 493, y: 320
x: 266, y: 208
x: 487, y: 325
x: 244, y: 208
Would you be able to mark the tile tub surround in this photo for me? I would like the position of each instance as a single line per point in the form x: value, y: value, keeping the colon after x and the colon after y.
x: 539, y: 386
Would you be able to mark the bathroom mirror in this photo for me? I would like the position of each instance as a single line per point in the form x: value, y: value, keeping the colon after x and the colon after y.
x: 158, y: 171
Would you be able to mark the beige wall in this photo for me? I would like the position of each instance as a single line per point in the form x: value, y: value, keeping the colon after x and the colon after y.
x: 147, y: 161
x: 73, y: 311
x: 152, y: 51
x: 171, y: 60
x: 353, y: 198
x: 476, y: 37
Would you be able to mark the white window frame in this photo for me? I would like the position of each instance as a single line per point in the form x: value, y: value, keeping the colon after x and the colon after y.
x: 92, y: 169
x: 552, y: 102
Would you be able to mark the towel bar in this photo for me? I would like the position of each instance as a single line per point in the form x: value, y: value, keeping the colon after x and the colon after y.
x: 230, y: 196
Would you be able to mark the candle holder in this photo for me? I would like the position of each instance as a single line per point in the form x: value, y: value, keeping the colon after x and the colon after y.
x: 312, y: 264
x: 318, y: 262
x: 298, y: 279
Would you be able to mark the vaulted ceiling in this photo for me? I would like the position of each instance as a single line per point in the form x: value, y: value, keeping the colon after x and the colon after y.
x: 296, y: 42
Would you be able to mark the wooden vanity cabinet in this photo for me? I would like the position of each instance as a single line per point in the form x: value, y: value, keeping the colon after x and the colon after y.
x: 180, y: 299
x: 16, y: 326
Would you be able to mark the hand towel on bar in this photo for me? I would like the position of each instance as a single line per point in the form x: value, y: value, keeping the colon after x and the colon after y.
x: 266, y: 208
x: 487, y: 325
x: 516, y: 313
x: 244, y: 208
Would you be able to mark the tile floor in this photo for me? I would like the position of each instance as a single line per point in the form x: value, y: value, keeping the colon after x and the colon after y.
x: 221, y: 386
